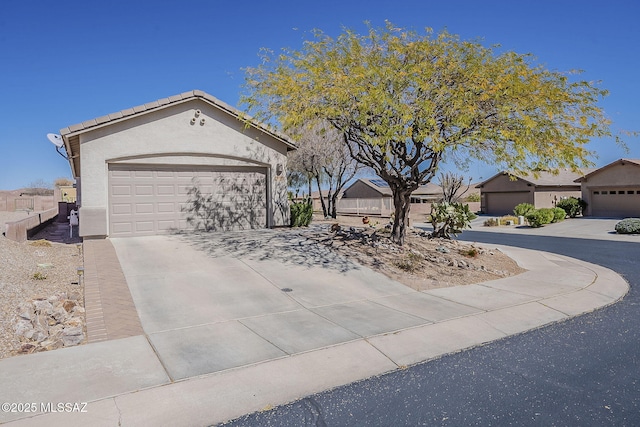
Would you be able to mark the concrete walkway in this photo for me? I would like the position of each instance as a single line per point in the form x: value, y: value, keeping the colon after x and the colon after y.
x: 223, y: 337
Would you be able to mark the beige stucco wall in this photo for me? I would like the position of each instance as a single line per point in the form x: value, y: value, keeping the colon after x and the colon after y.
x: 167, y: 136
x: 542, y: 196
x: 547, y: 197
x: 617, y: 176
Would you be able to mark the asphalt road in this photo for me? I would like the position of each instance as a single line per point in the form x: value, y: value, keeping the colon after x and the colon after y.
x: 582, y: 372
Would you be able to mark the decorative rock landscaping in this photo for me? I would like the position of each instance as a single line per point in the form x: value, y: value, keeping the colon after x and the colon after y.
x: 50, y: 323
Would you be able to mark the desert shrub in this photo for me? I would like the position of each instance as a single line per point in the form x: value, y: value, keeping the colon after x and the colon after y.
x: 503, y: 220
x: 539, y: 217
x: 410, y: 263
x: 572, y: 206
x: 559, y: 214
x: 450, y: 218
x: 523, y: 209
x: 628, y: 226
x: 301, y: 213
x: 470, y: 253
x: 491, y: 222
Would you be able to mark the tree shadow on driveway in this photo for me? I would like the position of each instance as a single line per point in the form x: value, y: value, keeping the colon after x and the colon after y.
x: 284, y: 245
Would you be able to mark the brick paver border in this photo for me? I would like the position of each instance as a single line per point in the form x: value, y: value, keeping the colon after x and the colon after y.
x: 110, y: 311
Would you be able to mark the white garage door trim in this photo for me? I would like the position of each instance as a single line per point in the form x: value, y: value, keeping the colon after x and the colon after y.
x: 150, y: 199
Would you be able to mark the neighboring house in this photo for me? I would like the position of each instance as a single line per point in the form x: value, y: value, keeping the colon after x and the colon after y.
x: 502, y: 192
x: 377, y: 188
x: 134, y: 168
x: 66, y: 194
x: 613, y: 190
x: 374, y: 197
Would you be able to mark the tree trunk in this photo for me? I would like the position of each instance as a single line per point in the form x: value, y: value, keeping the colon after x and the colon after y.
x: 324, y: 206
x: 402, y: 205
x: 333, y: 202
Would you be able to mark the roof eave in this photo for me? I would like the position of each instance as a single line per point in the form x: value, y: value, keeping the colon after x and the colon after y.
x: 120, y: 116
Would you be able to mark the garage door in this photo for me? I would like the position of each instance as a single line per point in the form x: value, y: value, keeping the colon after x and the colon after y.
x: 616, y: 202
x: 503, y: 203
x: 148, y: 200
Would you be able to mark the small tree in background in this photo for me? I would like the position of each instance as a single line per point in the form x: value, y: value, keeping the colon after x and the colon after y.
x: 451, y: 185
x: 62, y: 182
x: 322, y: 156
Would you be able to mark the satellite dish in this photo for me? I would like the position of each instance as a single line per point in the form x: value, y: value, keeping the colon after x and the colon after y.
x: 56, y: 140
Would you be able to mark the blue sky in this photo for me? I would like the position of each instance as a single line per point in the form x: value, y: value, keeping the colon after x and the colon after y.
x: 65, y: 62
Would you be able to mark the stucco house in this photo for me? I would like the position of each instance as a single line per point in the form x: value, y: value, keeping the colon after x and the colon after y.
x: 373, y: 188
x: 134, y: 168
x: 502, y: 192
x: 613, y: 190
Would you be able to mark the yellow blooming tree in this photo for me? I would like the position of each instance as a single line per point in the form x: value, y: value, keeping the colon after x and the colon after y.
x: 404, y: 101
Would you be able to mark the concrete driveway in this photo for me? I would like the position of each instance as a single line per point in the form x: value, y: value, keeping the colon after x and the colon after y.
x: 216, y: 301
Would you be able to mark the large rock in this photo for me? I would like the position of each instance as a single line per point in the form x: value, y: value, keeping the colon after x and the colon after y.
x: 72, y: 336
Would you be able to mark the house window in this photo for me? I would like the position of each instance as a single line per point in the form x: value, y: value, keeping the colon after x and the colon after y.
x: 630, y: 191
x: 596, y: 192
x: 604, y: 191
x: 621, y: 192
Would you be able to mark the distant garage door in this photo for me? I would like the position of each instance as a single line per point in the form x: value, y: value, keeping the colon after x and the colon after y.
x: 149, y: 200
x: 616, y: 202
x: 503, y: 203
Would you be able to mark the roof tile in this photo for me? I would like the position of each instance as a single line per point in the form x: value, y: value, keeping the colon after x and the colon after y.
x: 103, y: 119
x: 116, y: 116
x: 77, y: 127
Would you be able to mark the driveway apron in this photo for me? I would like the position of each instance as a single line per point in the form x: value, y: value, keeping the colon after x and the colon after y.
x: 217, y: 301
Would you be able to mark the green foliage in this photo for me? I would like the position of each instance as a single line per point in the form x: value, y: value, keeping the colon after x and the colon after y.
x: 559, y: 214
x: 450, y: 218
x: 523, y: 209
x: 540, y: 217
x: 473, y: 197
x: 301, y: 213
x: 403, y: 101
x: 38, y: 276
x: 628, y: 226
x: 573, y: 206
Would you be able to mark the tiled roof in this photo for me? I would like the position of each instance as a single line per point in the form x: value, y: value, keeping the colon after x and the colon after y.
x: 564, y: 177
x: 160, y: 103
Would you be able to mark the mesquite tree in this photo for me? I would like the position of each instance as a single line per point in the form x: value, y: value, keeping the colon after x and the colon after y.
x: 404, y: 101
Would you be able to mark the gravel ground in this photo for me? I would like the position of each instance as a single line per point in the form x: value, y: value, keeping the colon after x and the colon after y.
x: 20, y: 263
